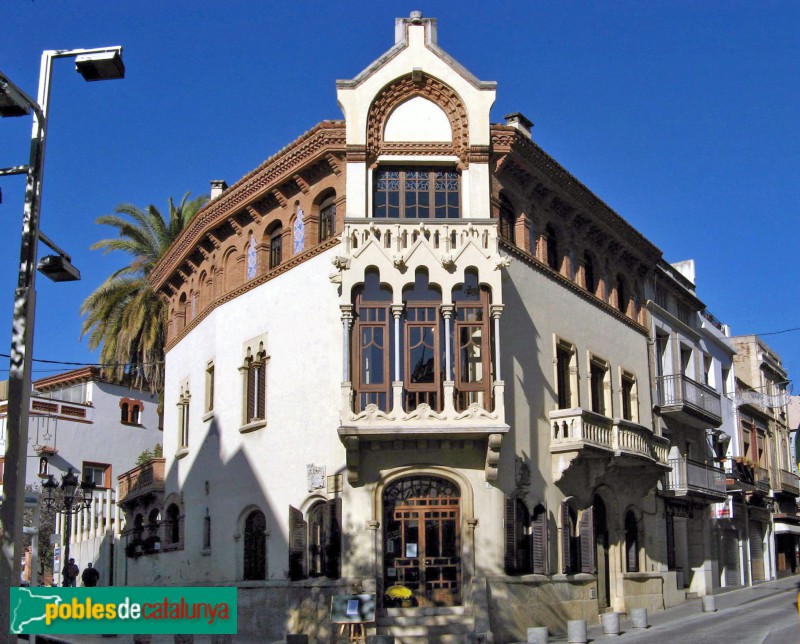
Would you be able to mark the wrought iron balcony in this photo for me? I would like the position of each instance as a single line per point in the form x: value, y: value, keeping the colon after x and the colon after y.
x: 762, y: 478
x: 689, y: 402
x: 789, y: 482
x: 690, y: 478
x: 141, y: 482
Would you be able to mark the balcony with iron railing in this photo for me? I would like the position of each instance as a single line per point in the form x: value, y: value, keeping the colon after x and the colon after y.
x: 743, y: 475
x: 576, y: 432
x: 689, y: 402
x: 692, y: 478
x: 143, y: 481
x: 788, y: 482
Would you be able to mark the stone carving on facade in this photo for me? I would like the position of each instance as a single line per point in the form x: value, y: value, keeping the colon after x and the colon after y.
x: 522, y: 472
x: 474, y: 411
x: 341, y: 262
x: 424, y: 412
x: 502, y: 262
x: 335, y: 278
x: 372, y: 413
x: 315, y: 476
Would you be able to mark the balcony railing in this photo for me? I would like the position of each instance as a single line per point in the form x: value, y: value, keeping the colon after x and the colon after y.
x: 789, y: 482
x: 690, y: 476
x: 762, y: 478
x: 580, y: 428
x: 680, y: 393
x: 145, y: 479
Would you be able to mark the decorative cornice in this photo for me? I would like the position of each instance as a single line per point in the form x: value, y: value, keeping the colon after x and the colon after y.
x: 254, y: 283
x: 324, y: 139
x: 507, y: 139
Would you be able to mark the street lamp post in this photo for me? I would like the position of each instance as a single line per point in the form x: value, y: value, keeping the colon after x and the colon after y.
x: 92, y: 64
x: 73, y: 504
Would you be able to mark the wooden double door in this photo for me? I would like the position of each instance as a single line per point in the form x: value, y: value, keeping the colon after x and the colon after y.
x: 422, y: 543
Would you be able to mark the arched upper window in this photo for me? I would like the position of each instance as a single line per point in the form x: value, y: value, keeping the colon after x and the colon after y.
x: 588, y: 273
x: 472, y: 350
x: 255, y: 546
x: 416, y: 193
x: 424, y: 362
x: 325, y: 539
x: 327, y: 218
x: 372, y: 340
x: 622, y: 294
x: 252, y: 259
x: 552, y: 247
x: 124, y: 412
x: 506, y: 219
x: 275, y: 247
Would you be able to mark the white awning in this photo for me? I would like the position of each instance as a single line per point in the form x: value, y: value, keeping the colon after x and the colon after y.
x: 786, y: 528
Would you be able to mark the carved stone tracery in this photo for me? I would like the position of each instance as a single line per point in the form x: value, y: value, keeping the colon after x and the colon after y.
x: 404, y: 89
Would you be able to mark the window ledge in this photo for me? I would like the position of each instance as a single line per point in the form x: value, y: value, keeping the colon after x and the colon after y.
x: 253, y: 426
x: 208, y: 415
x: 183, y: 451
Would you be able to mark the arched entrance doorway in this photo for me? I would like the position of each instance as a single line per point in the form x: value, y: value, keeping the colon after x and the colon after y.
x: 601, y: 545
x: 422, y: 539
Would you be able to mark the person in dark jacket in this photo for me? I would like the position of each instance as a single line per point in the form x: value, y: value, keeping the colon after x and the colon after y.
x: 90, y: 576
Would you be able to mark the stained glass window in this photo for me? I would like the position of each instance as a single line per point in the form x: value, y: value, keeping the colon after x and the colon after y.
x: 417, y: 193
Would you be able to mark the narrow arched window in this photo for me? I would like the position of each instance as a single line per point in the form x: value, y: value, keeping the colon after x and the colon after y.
x: 588, y: 273
x: 255, y: 546
x: 506, y: 219
x: 622, y: 296
x: 275, y: 247
x: 327, y: 218
x: 124, y: 412
x: 371, y: 342
x: 172, y: 533
x: 552, y: 248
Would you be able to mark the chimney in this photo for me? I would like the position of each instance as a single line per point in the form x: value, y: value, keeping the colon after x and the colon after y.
x: 517, y: 120
x: 218, y: 186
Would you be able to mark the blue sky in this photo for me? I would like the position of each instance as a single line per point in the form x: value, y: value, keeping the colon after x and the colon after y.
x: 682, y: 116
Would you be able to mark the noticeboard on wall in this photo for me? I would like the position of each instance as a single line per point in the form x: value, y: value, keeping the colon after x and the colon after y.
x: 353, y: 609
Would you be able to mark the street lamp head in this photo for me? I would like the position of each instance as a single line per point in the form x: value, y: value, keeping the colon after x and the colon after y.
x: 106, y: 65
x: 58, y: 268
x: 68, y: 483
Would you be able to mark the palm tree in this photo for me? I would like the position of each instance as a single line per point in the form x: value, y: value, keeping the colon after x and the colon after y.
x: 124, y: 315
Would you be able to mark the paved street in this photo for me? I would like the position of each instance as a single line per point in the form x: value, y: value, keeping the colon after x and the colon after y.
x: 765, y: 614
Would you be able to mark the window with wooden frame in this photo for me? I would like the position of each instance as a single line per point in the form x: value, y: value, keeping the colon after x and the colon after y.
x: 255, y: 546
x: 371, y: 344
x: 416, y: 193
x: 566, y: 375
x: 327, y: 218
x: 526, y: 538
x: 183, y: 416
x: 631, y: 542
x: 256, y: 386
x: 599, y: 385
x: 275, y: 247
x: 471, y: 342
x: 570, y: 542
x: 507, y: 219
x: 629, y: 397
x: 209, y: 399
x: 97, y: 473
x: 423, y: 360
x: 325, y: 539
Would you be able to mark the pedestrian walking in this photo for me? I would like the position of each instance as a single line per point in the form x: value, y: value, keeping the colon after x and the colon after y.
x: 71, y: 572
x: 90, y: 576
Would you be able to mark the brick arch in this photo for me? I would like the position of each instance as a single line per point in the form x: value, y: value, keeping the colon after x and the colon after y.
x: 405, y: 88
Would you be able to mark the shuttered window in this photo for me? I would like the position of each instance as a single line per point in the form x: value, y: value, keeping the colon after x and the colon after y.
x: 518, y: 541
x: 297, y: 544
x: 569, y: 543
x: 587, y: 545
x: 539, y: 540
x: 256, y: 389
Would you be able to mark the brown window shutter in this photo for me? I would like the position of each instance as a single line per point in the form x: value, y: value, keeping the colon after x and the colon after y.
x: 539, y: 540
x: 333, y: 539
x: 511, y: 535
x: 261, y: 394
x: 297, y: 544
x: 566, y: 540
x: 251, y: 392
x: 587, y: 542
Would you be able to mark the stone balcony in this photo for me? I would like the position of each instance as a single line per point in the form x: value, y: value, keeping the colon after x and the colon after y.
x: 579, y: 435
x: 141, y: 484
x: 423, y: 427
x: 693, y: 479
x: 688, y: 402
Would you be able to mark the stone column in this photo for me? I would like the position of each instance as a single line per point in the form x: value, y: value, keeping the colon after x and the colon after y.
x: 496, y: 311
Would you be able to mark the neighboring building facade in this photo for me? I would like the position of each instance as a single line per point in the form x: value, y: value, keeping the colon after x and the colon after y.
x: 79, y: 420
x: 410, y: 350
x: 770, y: 508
